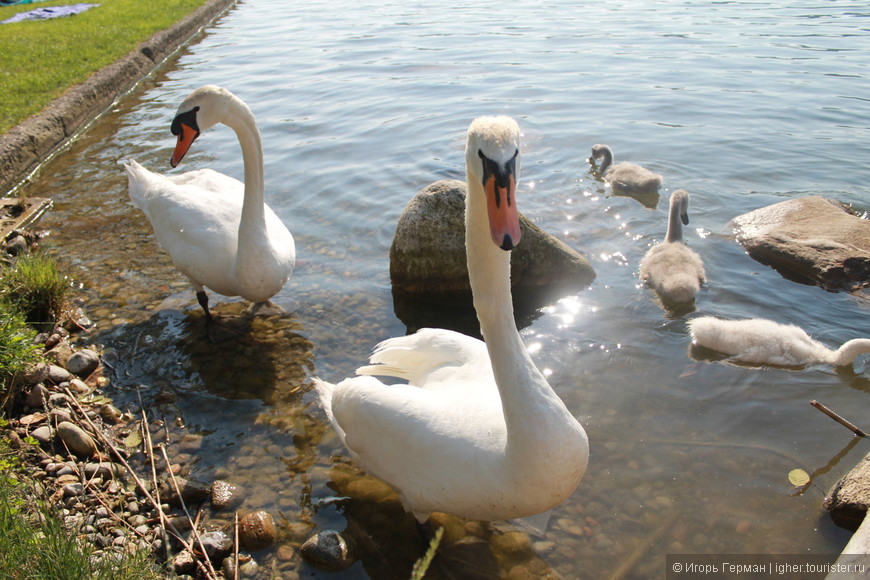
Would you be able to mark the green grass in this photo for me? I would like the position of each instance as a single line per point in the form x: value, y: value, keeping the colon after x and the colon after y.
x: 34, y: 545
x: 39, y: 60
x: 17, y: 351
x: 35, y: 287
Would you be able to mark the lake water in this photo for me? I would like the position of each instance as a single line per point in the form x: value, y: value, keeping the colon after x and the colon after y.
x: 361, y: 104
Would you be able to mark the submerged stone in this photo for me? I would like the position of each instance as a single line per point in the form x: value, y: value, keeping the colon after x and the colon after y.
x: 329, y: 550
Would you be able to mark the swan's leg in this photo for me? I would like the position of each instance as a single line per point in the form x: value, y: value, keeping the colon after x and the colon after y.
x: 202, y: 298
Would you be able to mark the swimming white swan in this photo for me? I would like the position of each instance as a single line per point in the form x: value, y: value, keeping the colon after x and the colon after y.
x: 624, y: 176
x: 758, y: 340
x: 219, y: 232
x: 478, y: 432
x: 673, y: 270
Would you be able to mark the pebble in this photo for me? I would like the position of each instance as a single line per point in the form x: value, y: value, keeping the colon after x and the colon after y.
x: 58, y: 375
x: 217, y: 544
x: 73, y: 489
x: 329, y: 550
x: 79, y: 387
x: 257, y: 530
x: 83, y: 363
x: 43, y: 434
x: 225, y: 495
x: 37, y: 397
x: 76, y: 440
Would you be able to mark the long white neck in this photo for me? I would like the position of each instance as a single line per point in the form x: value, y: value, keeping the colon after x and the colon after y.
x: 528, y: 401
x: 850, y: 350
x: 241, y: 120
x: 252, y: 237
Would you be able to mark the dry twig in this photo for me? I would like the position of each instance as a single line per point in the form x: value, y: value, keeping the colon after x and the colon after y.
x: 838, y: 418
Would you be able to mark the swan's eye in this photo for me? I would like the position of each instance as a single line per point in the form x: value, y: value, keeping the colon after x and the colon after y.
x: 188, y: 118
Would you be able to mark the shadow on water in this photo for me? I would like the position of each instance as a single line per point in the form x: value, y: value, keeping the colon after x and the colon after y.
x: 249, y: 357
x: 454, y: 310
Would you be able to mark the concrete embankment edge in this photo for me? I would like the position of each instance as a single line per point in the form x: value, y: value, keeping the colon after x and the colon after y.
x: 29, y: 144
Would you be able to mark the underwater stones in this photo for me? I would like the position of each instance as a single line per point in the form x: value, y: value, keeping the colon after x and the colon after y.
x: 217, y: 544
x: 225, y: 495
x: 428, y: 250
x: 329, y: 550
x: 812, y: 240
x: 189, y: 491
x: 257, y: 530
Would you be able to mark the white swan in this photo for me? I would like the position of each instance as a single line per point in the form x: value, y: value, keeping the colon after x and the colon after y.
x: 673, y: 270
x: 219, y: 232
x: 624, y: 176
x: 478, y: 432
x: 762, y: 341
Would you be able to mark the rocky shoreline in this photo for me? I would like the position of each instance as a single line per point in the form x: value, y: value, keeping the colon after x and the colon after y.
x: 118, y: 479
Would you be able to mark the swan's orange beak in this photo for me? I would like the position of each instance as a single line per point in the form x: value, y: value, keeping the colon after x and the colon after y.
x: 504, y: 220
x: 185, y: 128
x: 186, y: 136
x: 500, y: 185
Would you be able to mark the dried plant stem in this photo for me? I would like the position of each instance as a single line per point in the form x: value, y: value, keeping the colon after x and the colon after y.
x: 193, y: 523
x: 838, y: 418
x: 236, y: 546
x: 130, y: 471
x: 164, y: 520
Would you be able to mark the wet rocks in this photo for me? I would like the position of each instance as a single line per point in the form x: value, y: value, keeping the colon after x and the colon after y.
x: 329, y: 550
x: 813, y: 240
x: 180, y: 490
x: 257, y: 531
x: 225, y: 495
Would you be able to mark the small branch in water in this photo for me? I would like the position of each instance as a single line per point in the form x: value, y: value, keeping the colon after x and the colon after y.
x: 837, y: 418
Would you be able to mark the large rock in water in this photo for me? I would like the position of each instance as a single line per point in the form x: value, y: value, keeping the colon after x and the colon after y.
x: 811, y: 240
x: 428, y: 263
x: 849, y: 499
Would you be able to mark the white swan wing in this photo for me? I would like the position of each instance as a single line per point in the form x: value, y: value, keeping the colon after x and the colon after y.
x: 433, y: 358
x: 198, y: 227
x: 435, y: 449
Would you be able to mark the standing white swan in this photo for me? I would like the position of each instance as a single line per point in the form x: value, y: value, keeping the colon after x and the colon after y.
x: 219, y: 232
x: 478, y: 432
x: 624, y: 176
x: 673, y: 270
x: 762, y: 341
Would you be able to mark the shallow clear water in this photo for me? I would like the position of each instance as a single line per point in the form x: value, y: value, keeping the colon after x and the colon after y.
x: 361, y: 104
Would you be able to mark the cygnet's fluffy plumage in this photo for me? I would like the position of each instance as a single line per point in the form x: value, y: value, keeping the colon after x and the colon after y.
x: 625, y: 177
x: 673, y: 270
x: 762, y: 341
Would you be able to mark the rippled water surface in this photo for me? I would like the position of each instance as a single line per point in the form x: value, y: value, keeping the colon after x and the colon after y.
x: 361, y: 104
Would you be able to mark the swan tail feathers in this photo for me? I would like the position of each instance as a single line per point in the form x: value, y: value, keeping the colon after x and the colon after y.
x: 138, y: 180
x: 324, y: 395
